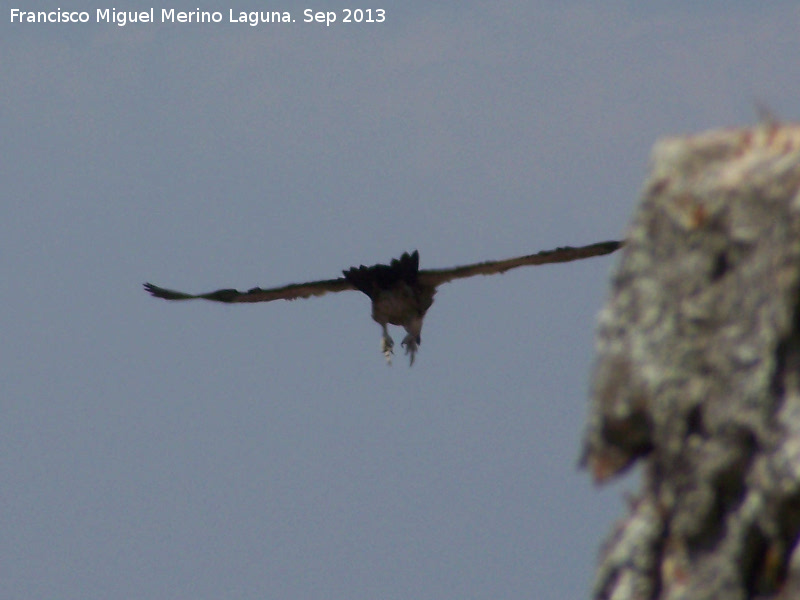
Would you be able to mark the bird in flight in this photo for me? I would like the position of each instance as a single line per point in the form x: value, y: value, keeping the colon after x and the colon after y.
x: 401, y: 294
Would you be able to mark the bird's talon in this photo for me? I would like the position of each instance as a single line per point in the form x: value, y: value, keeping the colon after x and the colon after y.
x: 387, y: 347
x: 411, y: 345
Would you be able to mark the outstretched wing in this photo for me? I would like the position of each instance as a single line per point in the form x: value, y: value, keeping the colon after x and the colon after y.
x: 436, y: 277
x: 288, y: 292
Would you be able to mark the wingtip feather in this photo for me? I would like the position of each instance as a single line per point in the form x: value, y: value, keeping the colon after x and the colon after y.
x: 158, y: 292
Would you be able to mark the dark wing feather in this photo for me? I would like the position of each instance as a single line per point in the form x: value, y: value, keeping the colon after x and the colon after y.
x: 436, y: 277
x: 287, y: 292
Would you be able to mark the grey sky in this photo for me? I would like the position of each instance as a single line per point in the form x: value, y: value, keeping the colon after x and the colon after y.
x: 152, y: 450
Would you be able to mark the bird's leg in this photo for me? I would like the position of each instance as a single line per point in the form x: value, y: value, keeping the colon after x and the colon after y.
x: 387, y: 345
x: 411, y: 345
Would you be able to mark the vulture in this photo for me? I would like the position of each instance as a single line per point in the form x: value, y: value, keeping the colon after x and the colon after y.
x: 400, y: 292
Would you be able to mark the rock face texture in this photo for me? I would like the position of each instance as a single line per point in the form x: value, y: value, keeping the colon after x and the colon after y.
x: 698, y: 374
